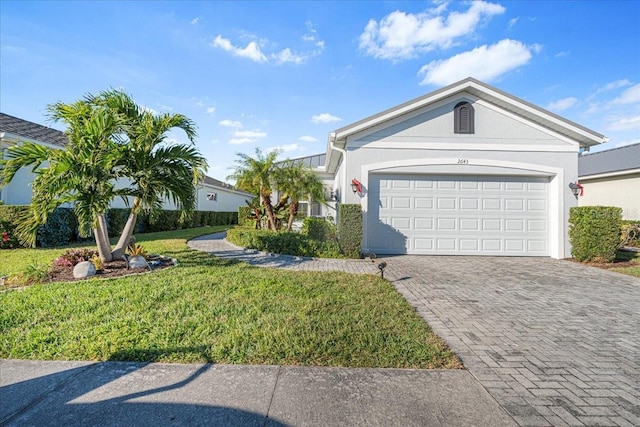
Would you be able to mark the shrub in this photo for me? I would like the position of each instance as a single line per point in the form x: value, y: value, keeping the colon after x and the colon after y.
x: 594, y: 232
x: 630, y: 235
x: 244, y: 216
x: 8, y: 239
x: 74, y: 256
x: 282, y: 242
x: 116, y: 220
x: 350, y: 230
x: 58, y: 231
x: 319, y: 229
x: 9, y: 220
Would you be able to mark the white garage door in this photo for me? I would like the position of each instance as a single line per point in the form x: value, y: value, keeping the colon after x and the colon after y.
x: 458, y: 215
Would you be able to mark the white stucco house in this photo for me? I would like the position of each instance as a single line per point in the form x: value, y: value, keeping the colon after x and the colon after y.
x: 212, y: 194
x: 465, y: 170
x: 612, y: 178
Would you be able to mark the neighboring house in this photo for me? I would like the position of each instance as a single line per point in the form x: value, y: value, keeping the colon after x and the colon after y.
x: 212, y: 195
x: 612, y: 178
x: 465, y: 170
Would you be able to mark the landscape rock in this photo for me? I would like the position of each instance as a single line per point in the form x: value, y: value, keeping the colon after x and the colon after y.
x: 138, y: 261
x: 84, y: 269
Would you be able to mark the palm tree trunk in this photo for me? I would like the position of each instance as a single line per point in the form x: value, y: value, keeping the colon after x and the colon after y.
x: 102, y: 239
x: 269, y: 211
x: 127, y: 232
x: 293, y: 211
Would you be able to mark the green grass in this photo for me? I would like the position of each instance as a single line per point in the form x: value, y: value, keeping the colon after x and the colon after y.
x: 628, y: 256
x: 212, y: 310
x: 14, y: 261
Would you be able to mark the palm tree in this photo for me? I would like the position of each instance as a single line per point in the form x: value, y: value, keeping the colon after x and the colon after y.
x: 110, y: 138
x: 157, y: 170
x: 82, y: 174
x: 298, y: 182
x: 257, y: 175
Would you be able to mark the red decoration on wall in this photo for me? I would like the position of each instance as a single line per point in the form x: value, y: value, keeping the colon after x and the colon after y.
x: 356, y: 186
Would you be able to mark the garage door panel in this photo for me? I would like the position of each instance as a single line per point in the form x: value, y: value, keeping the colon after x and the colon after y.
x: 424, y: 202
x: 401, y: 203
x: 446, y: 203
x: 458, y: 215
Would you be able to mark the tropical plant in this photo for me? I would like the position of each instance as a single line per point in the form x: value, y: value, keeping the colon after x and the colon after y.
x: 257, y: 176
x: 297, y: 182
x: 157, y: 170
x: 82, y: 174
x: 110, y: 138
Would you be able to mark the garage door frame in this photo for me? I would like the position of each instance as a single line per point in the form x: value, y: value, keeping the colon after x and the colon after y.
x: 556, y: 178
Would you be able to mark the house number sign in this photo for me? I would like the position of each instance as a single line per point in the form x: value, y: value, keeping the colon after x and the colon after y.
x: 463, y: 161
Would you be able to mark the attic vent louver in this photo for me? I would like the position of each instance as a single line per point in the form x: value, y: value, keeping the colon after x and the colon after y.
x: 463, y: 118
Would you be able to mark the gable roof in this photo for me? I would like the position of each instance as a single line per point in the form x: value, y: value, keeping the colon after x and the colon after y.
x: 610, y: 161
x: 26, y: 129
x: 220, y: 184
x: 586, y: 137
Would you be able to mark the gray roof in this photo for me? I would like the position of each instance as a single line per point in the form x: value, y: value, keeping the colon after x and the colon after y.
x: 615, y: 160
x: 314, y: 161
x: 214, y: 182
x: 27, y: 129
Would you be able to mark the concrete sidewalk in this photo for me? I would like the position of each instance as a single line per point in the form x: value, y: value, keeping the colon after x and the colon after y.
x: 35, y: 393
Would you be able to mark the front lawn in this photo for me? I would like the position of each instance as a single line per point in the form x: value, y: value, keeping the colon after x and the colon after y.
x: 212, y: 310
x: 632, y: 259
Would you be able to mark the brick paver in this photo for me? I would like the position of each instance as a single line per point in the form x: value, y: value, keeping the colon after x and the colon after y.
x: 554, y: 342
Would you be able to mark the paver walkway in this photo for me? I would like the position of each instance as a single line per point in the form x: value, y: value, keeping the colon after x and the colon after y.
x: 554, y: 342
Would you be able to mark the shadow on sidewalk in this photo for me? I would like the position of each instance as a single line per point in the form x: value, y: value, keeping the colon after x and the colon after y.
x: 114, y: 393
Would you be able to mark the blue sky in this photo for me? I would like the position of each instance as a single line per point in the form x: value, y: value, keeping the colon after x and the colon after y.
x: 285, y: 74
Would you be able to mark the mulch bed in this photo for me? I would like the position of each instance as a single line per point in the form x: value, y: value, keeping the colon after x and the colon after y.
x: 111, y: 270
x: 608, y: 265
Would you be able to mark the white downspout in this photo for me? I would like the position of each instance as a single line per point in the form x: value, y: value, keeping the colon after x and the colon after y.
x: 332, y: 140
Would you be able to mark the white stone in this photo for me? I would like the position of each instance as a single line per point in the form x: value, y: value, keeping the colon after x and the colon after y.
x: 138, y: 261
x: 84, y: 269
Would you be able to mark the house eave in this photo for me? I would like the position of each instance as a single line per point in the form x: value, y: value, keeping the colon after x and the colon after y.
x: 584, y: 136
x: 609, y: 174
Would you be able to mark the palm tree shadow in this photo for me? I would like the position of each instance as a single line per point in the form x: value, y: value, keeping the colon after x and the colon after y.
x: 102, y: 394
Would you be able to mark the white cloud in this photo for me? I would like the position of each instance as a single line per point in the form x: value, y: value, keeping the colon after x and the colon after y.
x: 165, y: 107
x: 401, y: 35
x: 629, y: 96
x: 625, y: 123
x: 614, y: 85
x: 286, y: 148
x: 512, y: 22
x: 484, y: 63
x: 194, y: 21
x: 238, y: 141
x: 251, y: 51
x: 324, y: 118
x: 562, y: 104
x: 308, y: 138
x: 561, y: 54
x: 230, y: 123
x: 286, y: 55
x: 148, y: 109
x: 254, y: 134
x: 211, y: 111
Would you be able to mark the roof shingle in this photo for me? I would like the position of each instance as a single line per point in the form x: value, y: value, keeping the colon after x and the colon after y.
x: 32, y: 130
x: 615, y: 160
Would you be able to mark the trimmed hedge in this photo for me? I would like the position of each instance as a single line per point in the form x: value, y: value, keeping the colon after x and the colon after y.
x: 244, y: 215
x: 283, y: 242
x: 350, y: 230
x: 319, y: 229
x: 61, y: 226
x: 594, y: 232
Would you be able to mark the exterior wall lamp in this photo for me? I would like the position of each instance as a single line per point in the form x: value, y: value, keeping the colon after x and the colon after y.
x: 333, y: 195
x: 576, y: 188
x: 356, y: 186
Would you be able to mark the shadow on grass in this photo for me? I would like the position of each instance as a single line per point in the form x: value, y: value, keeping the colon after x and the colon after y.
x: 160, y: 354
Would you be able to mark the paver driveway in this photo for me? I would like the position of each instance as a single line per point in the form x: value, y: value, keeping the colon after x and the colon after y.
x: 554, y: 342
